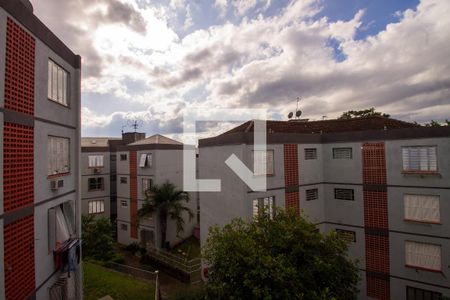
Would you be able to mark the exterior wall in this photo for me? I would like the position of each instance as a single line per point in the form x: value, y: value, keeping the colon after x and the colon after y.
x: 27, y: 117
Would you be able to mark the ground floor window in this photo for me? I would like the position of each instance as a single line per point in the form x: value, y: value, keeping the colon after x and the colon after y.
x: 413, y: 293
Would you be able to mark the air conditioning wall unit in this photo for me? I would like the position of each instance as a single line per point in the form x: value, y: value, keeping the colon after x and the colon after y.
x: 97, y: 170
x: 54, y: 185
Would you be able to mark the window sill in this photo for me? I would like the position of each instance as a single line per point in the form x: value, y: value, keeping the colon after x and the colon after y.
x: 99, y: 190
x: 59, y: 103
x: 423, y: 269
x: 97, y: 213
x: 58, y: 175
x: 98, y: 167
x: 422, y: 222
x: 422, y: 173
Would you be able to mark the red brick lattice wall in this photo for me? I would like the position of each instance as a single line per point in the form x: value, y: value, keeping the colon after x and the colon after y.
x: 19, y: 259
x: 18, y: 168
x: 19, y: 69
x: 376, y: 221
x: 133, y: 194
x: 292, y: 199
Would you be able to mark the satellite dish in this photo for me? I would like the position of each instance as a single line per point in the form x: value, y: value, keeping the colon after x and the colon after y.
x: 290, y: 115
x: 298, y: 113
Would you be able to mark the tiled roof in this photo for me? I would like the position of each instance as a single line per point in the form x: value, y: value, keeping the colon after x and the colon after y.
x: 96, y: 141
x: 156, y: 139
x: 326, y: 126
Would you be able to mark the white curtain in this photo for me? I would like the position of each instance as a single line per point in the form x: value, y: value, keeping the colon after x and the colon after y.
x: 62, y: 231
x: 422, y: 208
x: 423, y: 255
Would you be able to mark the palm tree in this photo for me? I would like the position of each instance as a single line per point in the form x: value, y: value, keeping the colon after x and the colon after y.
x: 168, y: 202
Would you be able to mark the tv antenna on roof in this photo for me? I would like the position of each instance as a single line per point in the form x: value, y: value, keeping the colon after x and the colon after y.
x: 135, y: 124
x: 298, y: 112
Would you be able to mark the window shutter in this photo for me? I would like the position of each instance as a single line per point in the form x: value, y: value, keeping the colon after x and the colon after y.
x: 91, y: 161
x: 143, y: 160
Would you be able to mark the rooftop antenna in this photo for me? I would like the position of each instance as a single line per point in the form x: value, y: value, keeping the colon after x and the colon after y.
x: 133, y: 124
x: 298, y: 112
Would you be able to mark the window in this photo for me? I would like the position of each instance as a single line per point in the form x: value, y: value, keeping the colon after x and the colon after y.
x: 124, y: 203
x: 123, y: 180
x: 95, y: 184
x: 96, y: 206
x: 61, y: 224
x: 263, y: 162
x: 422, y: 255
x: 95, y: 161
x: 312, y: 194
x: 57, y: 83
x: 123, y: 157
x: 344, y: 194
x: 419, y: 158
x: 123, y: 227
x: 413, y: 293
x: 146, y: 160
x: 266, y: 204
x: 146, y: 184
x: 342, y: 153
x: 310, y: 153
x: 346, y: 235
x: 422, y: 208
x: 58, y: 155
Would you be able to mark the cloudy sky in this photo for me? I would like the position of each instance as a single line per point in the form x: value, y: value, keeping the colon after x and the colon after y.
x: 151, y: 59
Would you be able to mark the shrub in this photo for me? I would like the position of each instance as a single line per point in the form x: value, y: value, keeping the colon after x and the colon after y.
x: 133, y: 248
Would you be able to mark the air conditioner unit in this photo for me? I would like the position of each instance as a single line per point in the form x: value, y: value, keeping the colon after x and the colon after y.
x: 97, y: 170
x: 54, y: 185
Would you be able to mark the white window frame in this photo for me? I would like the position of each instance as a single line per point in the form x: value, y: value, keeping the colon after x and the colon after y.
x: 95, y: 161
x: 422, y: 208
x: 419, y: 159
x: 263, y: 162
x: 343, y: 153
x: 423, y: 255
x: 58, y: 152
x: 146, y: 184
x: 58, y: 83
x: 266, y: 202
x: 96, y: 206
x: 146, y: 160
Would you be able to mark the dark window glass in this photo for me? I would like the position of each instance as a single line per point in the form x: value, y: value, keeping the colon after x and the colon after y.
x: 95, y: 184
x: 344, y: 194
x: 310, y: 153
x: 312, y: 194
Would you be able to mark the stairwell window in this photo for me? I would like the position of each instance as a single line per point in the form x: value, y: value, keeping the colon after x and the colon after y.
x: 57, y: 83
x: 146, y: 160
x: 419, y: 159
x: 96, y: 206
x: 95, y: 161
x: 263, y: 162
x: 266, y: 205
x: 423, y: 255
x: 58, y: 155
x: 422, y: 208
x: 342, y: 153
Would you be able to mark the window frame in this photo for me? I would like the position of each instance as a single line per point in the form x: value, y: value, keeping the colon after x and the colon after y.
x: 308, y: 150
x: 123, y: 157
x: 99, y: 207
x: 344, y: 189
x: 419, y: 171
x: 336, y: 149
x: 123, y: 180
x: 146, y: 160
x: 123, y: 227
x: 50, y: 151
x: 101, y: 184
x: 260, y: 201
x: 122, y: 202
x: 60, y: 215
x: 272, y: 151
x: 65, y: 84
x: 414, y: 290
x: 316, y: 191
x: 150, y: 185
x: 419, y: 267
x: 345, y: 234
x: 427, y: 221
x: 95, y: 157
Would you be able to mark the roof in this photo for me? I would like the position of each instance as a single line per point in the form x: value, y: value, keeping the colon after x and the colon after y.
x: 327, y: 126
x: 96, y: 141
x: 156, y: 139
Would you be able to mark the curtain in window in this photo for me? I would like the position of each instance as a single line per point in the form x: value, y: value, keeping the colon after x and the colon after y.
x: 62, y: 230
x: 423, y: 255
x: 419, y: 158
x: 422, y: 208
x: 95, y: 161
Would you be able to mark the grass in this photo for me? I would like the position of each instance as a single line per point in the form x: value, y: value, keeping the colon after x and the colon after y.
x: 99, y: 282
x: 190, y: 246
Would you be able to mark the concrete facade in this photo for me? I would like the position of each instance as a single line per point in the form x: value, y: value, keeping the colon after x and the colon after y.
x: 326, y: 174
x: 28, y: 118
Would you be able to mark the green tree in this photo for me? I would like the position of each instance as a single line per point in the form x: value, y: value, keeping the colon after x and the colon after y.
x: 97, y: 238
x: 167, y: 202
x: 280, y: 258
x: 433, y: 123
x: 370, y: 112
x: 447, y: 122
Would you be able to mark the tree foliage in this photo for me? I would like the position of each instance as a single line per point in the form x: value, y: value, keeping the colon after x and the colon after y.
x: 168, y: 202
x: 370, y: 112
x: 97, y: 238
x: 282, y: 258
x: 434, y: 123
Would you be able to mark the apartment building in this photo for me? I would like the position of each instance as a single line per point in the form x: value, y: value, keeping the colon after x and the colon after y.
x: 39, y: 159
x: 153, y: 160
x: 383, y: 184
